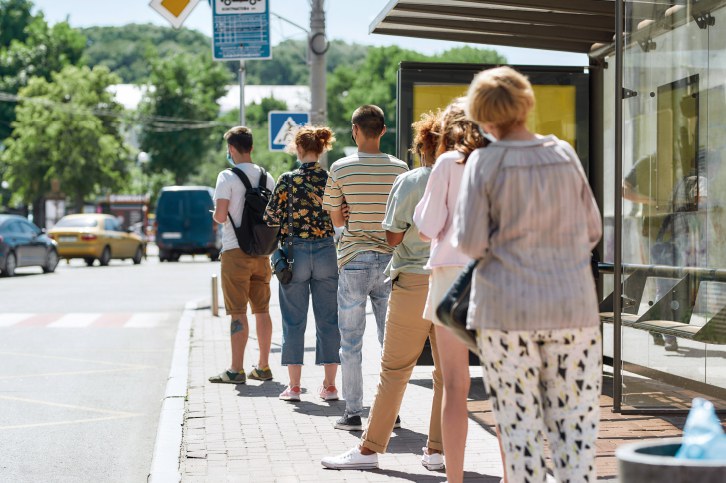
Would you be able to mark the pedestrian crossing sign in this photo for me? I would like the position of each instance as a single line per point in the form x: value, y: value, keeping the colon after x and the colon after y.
x: 282, y: 125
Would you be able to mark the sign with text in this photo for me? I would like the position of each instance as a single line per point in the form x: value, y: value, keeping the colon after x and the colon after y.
x: 282, y: 125
x: 241, y: 29
x: 175, y: 11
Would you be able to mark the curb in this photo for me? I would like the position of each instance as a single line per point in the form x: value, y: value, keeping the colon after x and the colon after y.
x: 165, y: 460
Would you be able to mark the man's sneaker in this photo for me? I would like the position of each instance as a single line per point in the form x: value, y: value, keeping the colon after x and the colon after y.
x: 229, y: 377
x: 349, y: 423
x: 397, y: 424
x: 433, y: 461
x: 351, y: 460
x: 328, y: 393
x: 291, y: 393
x: 261, y: 374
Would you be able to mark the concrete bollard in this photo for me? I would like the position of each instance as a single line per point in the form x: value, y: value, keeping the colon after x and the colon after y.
x: 215, y: 297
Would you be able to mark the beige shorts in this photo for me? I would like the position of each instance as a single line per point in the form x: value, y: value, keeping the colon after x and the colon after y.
x: 440, y: 281
x: 245, y: 279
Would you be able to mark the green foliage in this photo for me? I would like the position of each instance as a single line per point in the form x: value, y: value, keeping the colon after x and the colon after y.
x: 125, y: 49
x: 374, y: 80
x: 15, y: 15
x: 288, y: 66
x: 256, y: 119
x: 184, y: 87
x: 67, y: 130
x: 469, y: 55
x: 289, y: 63
x: 38, y: 51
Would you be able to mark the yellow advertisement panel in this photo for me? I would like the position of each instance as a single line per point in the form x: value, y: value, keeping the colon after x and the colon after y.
x: 554, y: 111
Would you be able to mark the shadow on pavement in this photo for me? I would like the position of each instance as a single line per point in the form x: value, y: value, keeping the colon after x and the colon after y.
x: 434, y: 477
x: 265, y: 389
x: 333, y: 408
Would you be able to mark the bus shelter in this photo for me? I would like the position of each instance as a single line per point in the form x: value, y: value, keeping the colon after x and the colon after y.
x: 651, y: 131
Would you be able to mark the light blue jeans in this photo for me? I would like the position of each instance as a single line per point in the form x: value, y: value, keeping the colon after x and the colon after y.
x: 315, y: 272
x: 359, y: 279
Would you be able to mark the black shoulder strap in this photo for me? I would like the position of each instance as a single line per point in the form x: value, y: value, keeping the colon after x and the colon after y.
x: 242, y: 177
x: 263, y: 177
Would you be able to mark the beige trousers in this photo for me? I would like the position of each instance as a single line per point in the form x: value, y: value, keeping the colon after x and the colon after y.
x: 405, y: 336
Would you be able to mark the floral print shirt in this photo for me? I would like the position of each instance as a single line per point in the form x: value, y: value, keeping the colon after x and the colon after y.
x: 309, y: 220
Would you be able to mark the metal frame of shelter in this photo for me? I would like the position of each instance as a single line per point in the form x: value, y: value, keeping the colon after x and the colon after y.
x: 592, y: 27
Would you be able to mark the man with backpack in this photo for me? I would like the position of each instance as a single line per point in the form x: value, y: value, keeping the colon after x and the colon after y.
x: 245, y: 258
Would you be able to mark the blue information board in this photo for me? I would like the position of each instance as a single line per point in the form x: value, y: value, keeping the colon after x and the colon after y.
x: 241, y: 29
x: 282, y: 125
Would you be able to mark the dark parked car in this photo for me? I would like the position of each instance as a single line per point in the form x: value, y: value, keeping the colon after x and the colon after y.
x: 22, y: 244
x: 184, y: 223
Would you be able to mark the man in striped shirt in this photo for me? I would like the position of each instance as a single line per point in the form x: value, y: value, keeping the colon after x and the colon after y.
x: 361, y: 181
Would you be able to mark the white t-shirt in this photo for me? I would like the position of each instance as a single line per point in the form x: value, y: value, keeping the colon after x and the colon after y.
x: 230, y: 187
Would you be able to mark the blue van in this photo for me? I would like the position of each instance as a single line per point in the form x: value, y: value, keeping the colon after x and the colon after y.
x: 184, y: 223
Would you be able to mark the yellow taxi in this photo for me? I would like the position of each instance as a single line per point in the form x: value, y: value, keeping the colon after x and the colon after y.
x: 93, y: 236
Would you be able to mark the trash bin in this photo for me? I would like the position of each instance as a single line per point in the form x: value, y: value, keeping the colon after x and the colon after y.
x: 654, y: 461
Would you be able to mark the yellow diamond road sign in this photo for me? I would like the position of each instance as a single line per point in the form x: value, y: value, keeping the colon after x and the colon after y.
x: 175, y: 11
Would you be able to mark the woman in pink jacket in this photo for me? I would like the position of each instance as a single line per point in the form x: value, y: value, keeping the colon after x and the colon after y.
x: 434, y: 217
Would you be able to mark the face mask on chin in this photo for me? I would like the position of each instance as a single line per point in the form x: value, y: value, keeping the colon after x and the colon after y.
x: 230, y: 160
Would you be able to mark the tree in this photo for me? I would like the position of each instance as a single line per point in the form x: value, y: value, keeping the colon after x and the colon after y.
x: 374, y: 82
x: 256, y: 119
x: 37, y: 50
x: 15, y: 15
x: 67, y: 130
x: 177, y: 109
x: 126, y: 49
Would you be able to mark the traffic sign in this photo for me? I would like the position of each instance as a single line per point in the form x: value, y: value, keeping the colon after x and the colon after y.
x: 241, y: 29
x: 175, y: 11
x: 282, y: 125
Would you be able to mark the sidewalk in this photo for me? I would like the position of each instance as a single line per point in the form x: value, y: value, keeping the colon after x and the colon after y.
x: 244, y: 433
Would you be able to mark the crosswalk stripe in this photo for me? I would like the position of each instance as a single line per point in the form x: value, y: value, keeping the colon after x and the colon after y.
x: 79, y: 320
x: 12, y: 319
x: 75, y: 320
x: 144, y: 319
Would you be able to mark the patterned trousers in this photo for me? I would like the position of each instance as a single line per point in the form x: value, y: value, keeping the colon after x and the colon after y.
x: 545, y: 381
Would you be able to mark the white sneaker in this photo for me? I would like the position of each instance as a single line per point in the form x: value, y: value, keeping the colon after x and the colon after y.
x: 351, y: 460
x: 433, y: 461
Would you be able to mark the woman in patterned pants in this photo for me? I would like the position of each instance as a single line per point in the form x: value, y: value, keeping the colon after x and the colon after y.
x: 527, y: 212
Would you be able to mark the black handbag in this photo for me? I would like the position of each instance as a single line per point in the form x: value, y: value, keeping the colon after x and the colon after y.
x: 282, y: 259
x: 452, y: 310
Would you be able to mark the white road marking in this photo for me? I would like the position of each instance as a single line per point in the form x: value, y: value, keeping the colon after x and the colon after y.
x: 75, y: 320
x: 7, y: 320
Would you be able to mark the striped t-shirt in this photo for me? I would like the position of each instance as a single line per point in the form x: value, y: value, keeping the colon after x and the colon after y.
x: 363, y: 181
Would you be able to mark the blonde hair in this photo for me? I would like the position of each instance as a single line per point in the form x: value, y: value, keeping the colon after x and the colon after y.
x: 458, y: 132
x: 501, y: 96
x: 427, y: 132
x: 312, y: 139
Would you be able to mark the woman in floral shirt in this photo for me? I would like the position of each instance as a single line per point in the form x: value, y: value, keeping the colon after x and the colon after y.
x: 315, y: 270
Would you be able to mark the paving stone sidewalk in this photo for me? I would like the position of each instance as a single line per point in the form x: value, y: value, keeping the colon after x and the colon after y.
x: 244, y: 433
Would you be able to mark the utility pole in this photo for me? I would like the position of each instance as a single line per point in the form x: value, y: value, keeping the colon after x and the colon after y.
x: 317, y: 47
x: 241, y: 92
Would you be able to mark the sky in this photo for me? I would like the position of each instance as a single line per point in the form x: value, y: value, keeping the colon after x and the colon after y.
x: 347, y: 20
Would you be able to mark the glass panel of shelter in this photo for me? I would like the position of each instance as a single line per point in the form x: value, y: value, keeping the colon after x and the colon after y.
x: 673, y: 226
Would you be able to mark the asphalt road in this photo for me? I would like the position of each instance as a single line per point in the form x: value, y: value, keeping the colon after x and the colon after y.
x: 84, y: 357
